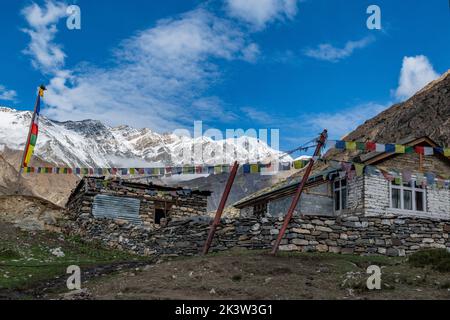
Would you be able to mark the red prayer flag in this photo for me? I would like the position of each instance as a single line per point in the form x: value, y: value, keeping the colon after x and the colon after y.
x: 371, y: 146
x: 419, y: 150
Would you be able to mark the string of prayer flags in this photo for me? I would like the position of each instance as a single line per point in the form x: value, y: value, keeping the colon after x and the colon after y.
x: 351, y: 169
x: 389, y: 148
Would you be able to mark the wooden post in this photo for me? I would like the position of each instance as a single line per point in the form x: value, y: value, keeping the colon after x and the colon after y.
x: 221, y: 207
x: 320, y: 144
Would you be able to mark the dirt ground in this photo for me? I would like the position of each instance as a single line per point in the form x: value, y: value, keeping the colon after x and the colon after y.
x: 31, y: 269
x: 256, y: 275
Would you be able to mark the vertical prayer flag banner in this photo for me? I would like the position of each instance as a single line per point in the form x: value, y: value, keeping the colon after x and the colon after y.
x: 34, y: 130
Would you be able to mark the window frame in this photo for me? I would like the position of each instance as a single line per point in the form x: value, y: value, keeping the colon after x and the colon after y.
x: 340, y: 189
x: 414, y: 190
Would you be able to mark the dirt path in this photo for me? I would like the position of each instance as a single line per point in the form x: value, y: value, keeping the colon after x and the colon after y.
x: 255, y: 275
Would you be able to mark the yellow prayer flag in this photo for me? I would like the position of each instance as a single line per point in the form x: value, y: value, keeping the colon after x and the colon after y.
x: 299, y: 164
x: 400, y: 148
x: 254, y: 168
x: 447, y: 152
x: 359, y: 168
x: 350, y: 145
x: 29, y: 154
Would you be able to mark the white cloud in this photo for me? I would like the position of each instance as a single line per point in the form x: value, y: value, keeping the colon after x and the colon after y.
x: 158, y: 78
x: 7, y: 95
x: 257, y: 115
x: 416, y: 73
x: 328, y: 52
x: 344, y: 121
x: 42, y: 29
x: 261, y: 12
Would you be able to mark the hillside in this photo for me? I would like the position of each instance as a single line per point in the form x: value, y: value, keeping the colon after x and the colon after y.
x: 427, y: 113
x: 55, y: 189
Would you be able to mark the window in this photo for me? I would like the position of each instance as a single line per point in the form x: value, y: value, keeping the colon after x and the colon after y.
x: 407, y: 196
x: 340, y: 195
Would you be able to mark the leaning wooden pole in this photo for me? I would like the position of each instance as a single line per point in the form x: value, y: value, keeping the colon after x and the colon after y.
x: 295, y: 200
x: 222, y: 204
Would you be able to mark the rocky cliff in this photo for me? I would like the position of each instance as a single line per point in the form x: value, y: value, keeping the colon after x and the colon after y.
x: 427, y: 113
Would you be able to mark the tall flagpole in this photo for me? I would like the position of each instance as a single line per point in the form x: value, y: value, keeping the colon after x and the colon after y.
x: 27, y: 144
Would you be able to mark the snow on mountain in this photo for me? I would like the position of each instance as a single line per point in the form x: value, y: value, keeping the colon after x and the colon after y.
x: 91, y: 143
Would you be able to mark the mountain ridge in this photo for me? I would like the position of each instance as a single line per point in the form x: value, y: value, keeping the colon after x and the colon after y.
x: 91, y: 143
x: 426, y: 113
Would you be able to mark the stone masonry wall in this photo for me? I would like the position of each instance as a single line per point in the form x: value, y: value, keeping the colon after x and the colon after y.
x: 376, y: 197
x: 176, y: 206
x: 390, y: 235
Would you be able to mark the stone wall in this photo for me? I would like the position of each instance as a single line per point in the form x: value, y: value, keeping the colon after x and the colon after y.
x: 376, y: 195
x: 355, y: 197
x: 389, y: 235
x: 177, y: 205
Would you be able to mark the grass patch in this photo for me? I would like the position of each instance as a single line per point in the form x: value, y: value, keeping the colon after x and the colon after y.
x: 6, y: 253
x: 26, y: 261
x: 437, y: 259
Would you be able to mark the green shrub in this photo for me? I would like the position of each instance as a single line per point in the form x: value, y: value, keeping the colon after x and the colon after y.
x: 437, y: 259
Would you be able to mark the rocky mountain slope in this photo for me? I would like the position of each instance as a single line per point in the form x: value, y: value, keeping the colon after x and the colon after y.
x: 427, y: 113
x: 93, y: 144
x: 55, y: 189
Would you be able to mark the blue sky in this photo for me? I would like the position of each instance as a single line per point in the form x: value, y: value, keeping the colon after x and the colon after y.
x: 297, y: 66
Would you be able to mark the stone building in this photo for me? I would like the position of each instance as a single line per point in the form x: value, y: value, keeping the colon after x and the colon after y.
x: 147, y: 205
x: 330, y: 192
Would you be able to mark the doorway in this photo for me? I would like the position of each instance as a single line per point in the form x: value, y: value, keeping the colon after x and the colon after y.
x: 159, y: 214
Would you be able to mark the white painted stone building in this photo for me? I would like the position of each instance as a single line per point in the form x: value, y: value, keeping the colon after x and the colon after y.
x: 330, y: 193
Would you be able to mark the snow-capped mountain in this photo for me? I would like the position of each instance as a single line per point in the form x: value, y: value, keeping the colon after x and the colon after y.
x: 91, y: 143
